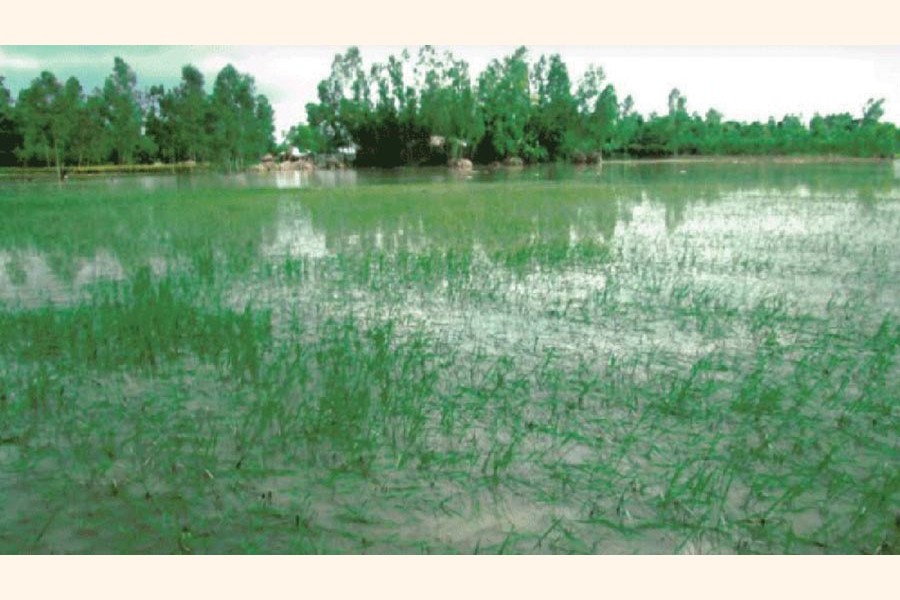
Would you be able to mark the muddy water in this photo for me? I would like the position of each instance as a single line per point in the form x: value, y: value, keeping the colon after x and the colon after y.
x: 635, y: 272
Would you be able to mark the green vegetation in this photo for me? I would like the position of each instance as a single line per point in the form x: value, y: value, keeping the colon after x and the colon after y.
x: 645, y: 358
x: 409, y: 111
x: 518, y: 111
x: 55, y: 124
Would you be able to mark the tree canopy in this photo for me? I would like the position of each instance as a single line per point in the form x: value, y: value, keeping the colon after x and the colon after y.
x: 56, y: 124
x: 420, y: 108
x: 533, y: 111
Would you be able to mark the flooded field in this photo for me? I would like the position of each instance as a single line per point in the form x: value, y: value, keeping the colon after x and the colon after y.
x: 643, y: 358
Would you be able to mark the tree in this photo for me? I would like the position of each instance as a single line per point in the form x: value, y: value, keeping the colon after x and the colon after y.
x: 10, y: 138
x: 263, y: 137
x: 628, y: 125
x: 874, y: 138
x: 677, y: 120
x: 873, y: 111
x: 48, y: 113
x: 305, y: 138
x: 160, y: 124
x: 505, y: 98
x: 394, y: 133
x: 190, y: 108
x: 605, y: 117
x: 122, y: 111
x: 343, y: 98
x: 586, y: 96
x: 242, y: 119
x: 90, y: 142
x: 711, y: 142
x: 556, y: 115
x: 447, y: 105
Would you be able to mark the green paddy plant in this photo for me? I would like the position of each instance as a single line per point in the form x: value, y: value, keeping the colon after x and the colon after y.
x: 633, y: 360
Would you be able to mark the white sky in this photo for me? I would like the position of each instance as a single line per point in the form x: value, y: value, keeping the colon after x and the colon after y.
x: 743, y: 83
x: 749, y: 83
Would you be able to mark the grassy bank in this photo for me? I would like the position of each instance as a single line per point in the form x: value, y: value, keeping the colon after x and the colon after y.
x: 161, y: 168
x: 29, y: 172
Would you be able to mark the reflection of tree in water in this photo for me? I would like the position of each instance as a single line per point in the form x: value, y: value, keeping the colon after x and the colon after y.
x: 676, y: 198
x: 674, y: 215
x: 676, y: 185
x: 127, y: 223
x: 496, y: 216
x: 866, y: 199
x: 763, y: 175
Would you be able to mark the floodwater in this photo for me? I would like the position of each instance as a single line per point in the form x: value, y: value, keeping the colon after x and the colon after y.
x: 589, y: 336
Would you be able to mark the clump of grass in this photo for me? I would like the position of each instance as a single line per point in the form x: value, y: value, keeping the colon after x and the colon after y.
x: 145, y: 323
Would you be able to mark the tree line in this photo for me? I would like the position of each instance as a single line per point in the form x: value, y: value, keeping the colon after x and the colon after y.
x: 428, y: 109
x: 409, y: 110
x: 55, y: 123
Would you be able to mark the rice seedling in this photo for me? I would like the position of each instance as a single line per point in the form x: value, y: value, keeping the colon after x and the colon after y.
x: 630, y: 362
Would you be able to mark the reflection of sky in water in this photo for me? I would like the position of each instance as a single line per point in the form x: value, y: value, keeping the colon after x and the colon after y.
x: 285, y: 180
x: 743, y: 250
x: 295, y: 236
x: 29, y: 278
x: 801, y: 243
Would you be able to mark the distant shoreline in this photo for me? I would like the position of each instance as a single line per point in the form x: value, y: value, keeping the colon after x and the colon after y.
x: 761, y: 158
x: 24, y: 172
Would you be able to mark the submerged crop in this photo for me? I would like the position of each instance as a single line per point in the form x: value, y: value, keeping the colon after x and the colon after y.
x: 630, y: 360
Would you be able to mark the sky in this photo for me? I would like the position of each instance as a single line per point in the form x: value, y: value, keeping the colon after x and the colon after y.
x: 744, y: 83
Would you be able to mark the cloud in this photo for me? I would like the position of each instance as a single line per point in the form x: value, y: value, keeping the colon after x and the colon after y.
x: 18, y: 63
x: 213, y: 63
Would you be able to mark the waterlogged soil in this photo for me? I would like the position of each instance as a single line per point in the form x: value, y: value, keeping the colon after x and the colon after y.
x: 641, y: 358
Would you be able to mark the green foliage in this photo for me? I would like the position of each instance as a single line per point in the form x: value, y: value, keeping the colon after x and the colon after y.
x: 504, y: 93
x: 556, y: 115
x: 519, y: 110
x: 122, y: 112
x: 55, y: 124
x: 10, y: 138
x: 48, y: 111
x: 243, y: 121
x: 422, y: 110
x: 306, y: 138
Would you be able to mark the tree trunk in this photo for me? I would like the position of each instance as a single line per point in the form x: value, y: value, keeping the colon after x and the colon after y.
x: 59, y: 174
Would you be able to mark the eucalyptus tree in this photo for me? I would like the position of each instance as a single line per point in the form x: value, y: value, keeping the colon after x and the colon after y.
x: 10, y: 138
x: 343, y: 100
x: 555, y: 117
x: 242, y: 120
x: 876, y: 138
x: 47, y: 110
x: 678, y: 120
x: 447, y: 103
x: 35, y: 112
x: 587, y: 96
x: 504, y: 94
x: 263, y: 138
x: 122, y: 111
x: 160, y: 125
x: 605, y: 117
x: 627, y: 126
x: 90, y: 141
x: 392, y: 135
x: 190, y: 115
x: 5, y: 96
